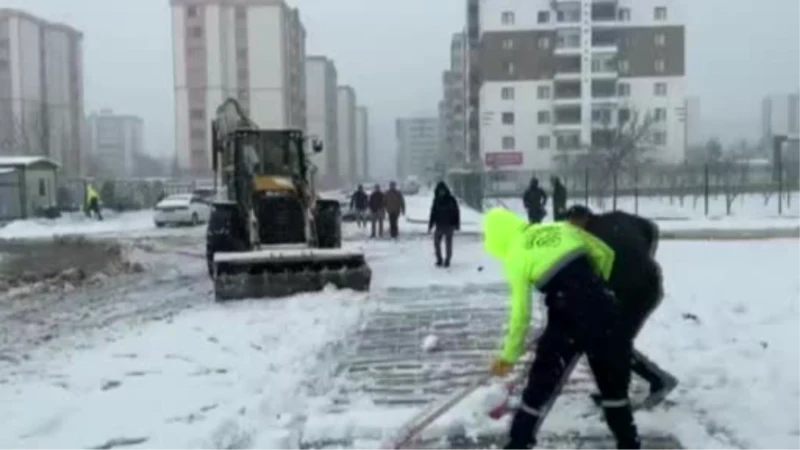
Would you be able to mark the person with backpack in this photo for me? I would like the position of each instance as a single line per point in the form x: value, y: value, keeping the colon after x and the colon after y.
x: 534, y: 199
x: 570, y: 267
x: 446, y: 218
x: 359, y: 202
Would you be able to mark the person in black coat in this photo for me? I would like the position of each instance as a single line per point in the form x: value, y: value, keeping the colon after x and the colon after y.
x: 446, y: 218
x: 377, y: 208
x: 359, y: 203
x: 559, y: 198
x: 534, y: 198
x: 635, y: 280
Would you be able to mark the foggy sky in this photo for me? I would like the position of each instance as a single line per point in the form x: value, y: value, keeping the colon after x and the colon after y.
x: 393, y: 51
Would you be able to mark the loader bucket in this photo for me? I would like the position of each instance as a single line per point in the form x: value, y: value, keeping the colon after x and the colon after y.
x: 280, y: 272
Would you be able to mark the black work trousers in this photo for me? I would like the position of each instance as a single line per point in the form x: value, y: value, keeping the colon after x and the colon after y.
x: 446, y: 233
x: 581, y: 319
x: 393, y: 225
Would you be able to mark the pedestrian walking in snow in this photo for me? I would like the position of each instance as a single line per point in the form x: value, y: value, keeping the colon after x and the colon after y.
x: 92, y: 206
x: 636, y: 281
x: 445, y: 217
x: 534, y: 199
x: 395, y: 207
x: 569, y: 266
x: 377, y: 210
x: 359, y: 202
x: 559, y: 198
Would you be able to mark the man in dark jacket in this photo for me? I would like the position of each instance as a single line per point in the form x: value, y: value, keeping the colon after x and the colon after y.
x: 636, y: 281
x: 534, y: 200
x: 377, y: 210
x: 446, y: 218
x: 559, y: 198
x: 395, y: 206
x: 359, y: 203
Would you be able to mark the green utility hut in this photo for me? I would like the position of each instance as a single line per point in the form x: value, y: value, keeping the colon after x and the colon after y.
x: 27, y: 186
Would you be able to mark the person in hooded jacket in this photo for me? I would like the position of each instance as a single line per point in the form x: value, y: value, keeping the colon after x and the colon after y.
x: 570, y: 267
x: 446, y: 218
x: 636, y: 281
x: 359, y: 203
x: 559, y: 198
x: 534, y: 199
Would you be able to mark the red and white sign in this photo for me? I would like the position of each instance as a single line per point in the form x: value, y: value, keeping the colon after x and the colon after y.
x: 501, y: 159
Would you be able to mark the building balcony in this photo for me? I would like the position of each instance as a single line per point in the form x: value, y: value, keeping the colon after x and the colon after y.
x: 567, y: 100
x: 567, y: 76
x: 605, y: 73
x: 562, y: 50
x: 567, y: 126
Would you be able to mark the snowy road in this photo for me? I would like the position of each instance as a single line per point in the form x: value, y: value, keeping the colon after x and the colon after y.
x: 148, y: 360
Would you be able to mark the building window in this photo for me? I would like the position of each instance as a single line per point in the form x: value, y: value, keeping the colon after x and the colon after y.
x: 507, y: 93
x: 660, y: 13
x: 42, y: 187
x: 624, y: 90
x: 543, y: 117
x: 508, y: 143
x: 508, y: 118
x: 508, y: 44
x: 198, y: 133
x: 624, y: 14
x: 507, y: 18
x: 543, y: 92
x: 624, y: 115
x: 660, y: 138
x: 544, y: 42
x: 624, y: 66
x: 241, y: 13
x: 543, y: 142
x: 509, y: 68
x: 601, y: 115
x: 659, y: 65
x: 196, y: 32
x: 191, y: 11
x: 660, y: 115
x: 661, y: 40
x: 543, y: 17
x: 197, y: 114
x: 660, y: 89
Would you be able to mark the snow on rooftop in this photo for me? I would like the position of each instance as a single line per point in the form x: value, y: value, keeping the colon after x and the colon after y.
x: 24, y: 160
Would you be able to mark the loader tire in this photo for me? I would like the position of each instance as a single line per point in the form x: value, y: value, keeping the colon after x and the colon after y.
x: 226, y: 232
x: 329, y: 224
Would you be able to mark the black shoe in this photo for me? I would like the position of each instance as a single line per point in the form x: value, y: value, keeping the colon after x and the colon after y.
x: 659, y: 391
x: 597, y: 399
x: 438, y: 263
x: 447, y: 263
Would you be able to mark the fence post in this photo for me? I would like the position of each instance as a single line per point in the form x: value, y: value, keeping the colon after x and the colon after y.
x: 636, y: 190
x: 705, y: 187
x: 614, y: 192
x: 780, y: 182
x: 586, y: 187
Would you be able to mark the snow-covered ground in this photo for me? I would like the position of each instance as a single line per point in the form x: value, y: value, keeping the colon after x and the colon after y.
x: 148, y: 360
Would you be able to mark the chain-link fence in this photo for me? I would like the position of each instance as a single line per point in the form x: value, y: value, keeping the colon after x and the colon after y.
x: 709, y: 189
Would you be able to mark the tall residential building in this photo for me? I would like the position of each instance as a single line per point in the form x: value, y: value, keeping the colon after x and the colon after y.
x: 780, y: 116
x: 453, y: 114
x: 114, y: 143
x: 362, y: 142
x: 417, y: 146
x: 251, y: 50
x: 558, y: 77
x: 472, y: 84
x: 41, y: 89
x: 346, y: 123
x: 321, y: 98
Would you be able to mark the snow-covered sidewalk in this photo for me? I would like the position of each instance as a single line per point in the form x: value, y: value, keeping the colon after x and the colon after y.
x: 222, y: 376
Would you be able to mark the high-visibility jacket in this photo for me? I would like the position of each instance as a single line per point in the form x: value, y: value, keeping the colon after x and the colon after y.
x: 531, y: 255
x: 91, y: 193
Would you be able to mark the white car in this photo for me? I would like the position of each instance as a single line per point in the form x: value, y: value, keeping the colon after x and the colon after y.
x: 182, y: 209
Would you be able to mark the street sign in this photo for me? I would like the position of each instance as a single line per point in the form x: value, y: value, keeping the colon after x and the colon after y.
x: 500, y: 159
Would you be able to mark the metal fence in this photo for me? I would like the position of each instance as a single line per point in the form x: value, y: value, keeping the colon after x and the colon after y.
x: 702, y: 185
x: 123, y: 194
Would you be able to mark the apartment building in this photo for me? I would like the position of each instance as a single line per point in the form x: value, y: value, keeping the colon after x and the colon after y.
x: 418, y: 145
x: 560, y: 76
x: 780, y: 115
x: 41, y: 89
x: 472, y: 84
x: 346, y: 123
x: 321, y: 109
x: 251, y: 50
x: 115, y: 140
x: 362, y: 142
x: 453, y: 113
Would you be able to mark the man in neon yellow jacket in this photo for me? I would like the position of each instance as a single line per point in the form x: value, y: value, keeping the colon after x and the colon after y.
x: 569, y: 266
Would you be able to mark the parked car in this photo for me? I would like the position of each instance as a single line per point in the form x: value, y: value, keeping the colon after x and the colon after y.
x: 182, y: 209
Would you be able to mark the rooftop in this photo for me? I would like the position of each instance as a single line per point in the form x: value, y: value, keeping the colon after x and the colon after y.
x: 17, y: 13
x: 17, y: 161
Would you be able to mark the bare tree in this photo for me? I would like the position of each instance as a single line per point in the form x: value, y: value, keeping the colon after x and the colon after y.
x: 734, y: 172
x: 620, y: 146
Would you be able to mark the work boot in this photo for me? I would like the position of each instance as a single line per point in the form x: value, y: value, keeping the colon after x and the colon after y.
x: 659, y: 391
x: 520, y: 436
x: 620, y: 421
x: 447, y: 263
x: 438, y: 262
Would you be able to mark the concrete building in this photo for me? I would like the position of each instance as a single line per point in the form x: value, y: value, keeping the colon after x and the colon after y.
x: 472, y: 84
x: 418, y: 144
x: 362, y: 143
x: 693, y: 121
x: 41, y: 89
x: 321, y: 101
x: 780, y: 116
x: 28, y: 186
x: 558, y: 77
x: 114, y: 142
x: 346, y: 123
x: 453, y: 113
x: 252, y: 50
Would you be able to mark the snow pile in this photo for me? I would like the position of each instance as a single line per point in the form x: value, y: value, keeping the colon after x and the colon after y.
x: 75, y: 223
x: 223, y: 376
x: 430, y: 343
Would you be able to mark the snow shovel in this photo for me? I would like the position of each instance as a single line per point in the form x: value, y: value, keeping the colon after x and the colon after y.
x: 427, y: 416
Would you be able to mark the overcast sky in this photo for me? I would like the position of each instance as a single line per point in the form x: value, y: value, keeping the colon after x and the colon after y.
x: 393, y: 52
